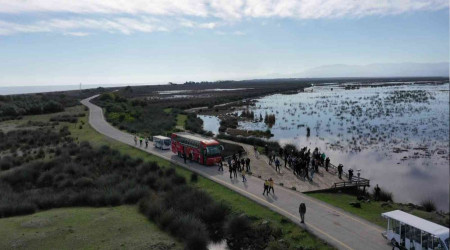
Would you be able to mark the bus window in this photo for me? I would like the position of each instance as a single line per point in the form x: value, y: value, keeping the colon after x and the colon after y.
x: 415, y: 234
x: 426, y: 240
x: 213, y: 150
x: 395, y: 226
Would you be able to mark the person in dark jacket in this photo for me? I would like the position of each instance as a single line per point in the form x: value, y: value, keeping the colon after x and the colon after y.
x: 247, y: 164
x: 340, y: 169
x: 302, y: 211
x: 327, y: 163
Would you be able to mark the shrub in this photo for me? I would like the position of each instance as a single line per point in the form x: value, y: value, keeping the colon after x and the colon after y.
x: 84, y: 182
x: 135, y: 194
x: 194, y: 177
x: 384, y: 195
x: 428, y: 205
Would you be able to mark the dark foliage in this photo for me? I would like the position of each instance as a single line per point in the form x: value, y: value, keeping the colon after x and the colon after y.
x: 428, y: 205
x: 135, y: 116
x: 188, y: 214
x: 242, y: 234
x: 194, y: 124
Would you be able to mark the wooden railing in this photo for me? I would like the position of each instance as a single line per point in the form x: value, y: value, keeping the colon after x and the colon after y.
x: 354, y: 182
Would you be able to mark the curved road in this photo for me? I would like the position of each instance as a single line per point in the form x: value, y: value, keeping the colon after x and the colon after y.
x: 335, y: 226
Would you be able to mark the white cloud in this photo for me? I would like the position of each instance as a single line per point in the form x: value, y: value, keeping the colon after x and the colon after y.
x: 227, y: 9
x: 76, y: 33
x: 80, y: 26
x: 191, y: 24
x: 130, y: 16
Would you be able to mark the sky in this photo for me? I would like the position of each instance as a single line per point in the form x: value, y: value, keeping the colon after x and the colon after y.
x: 57, y: 42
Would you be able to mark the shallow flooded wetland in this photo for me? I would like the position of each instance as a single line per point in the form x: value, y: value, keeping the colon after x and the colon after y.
x: 398, y: 136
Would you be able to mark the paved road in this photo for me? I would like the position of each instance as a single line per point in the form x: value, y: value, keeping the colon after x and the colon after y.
x: 333, y: 225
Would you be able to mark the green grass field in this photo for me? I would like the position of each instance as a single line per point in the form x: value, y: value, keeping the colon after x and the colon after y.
x: 372, y: 211
x: 296, y: 236
x: 84, y: 228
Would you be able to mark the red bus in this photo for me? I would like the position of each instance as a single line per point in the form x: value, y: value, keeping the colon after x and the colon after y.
x: 203, y: 150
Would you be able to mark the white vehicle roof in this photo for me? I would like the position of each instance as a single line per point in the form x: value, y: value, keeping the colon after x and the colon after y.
x: 419, y: 223
x: 161, y: 137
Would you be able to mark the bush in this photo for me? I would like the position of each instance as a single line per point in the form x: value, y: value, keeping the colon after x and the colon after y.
x: 194, y: 177
x: 384, y: 195
x: 428, y: 205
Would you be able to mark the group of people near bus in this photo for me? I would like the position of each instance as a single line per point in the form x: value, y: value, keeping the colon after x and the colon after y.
x: 141, y: 139
x: 238, y: 163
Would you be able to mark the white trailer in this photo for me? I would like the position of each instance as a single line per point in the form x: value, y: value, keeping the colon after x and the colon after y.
x: 411, y: 232
x: 162, y: 142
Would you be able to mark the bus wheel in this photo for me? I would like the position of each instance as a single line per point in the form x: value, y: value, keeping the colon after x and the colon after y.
x: 393, y: 242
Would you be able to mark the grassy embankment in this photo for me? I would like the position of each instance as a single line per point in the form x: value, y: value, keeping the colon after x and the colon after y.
x: 372, y: 211
x: 238, y: 203
x: 99, y: 228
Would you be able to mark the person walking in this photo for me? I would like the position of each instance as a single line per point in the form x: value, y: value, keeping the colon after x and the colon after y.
x: 230, y: 169
x: 243, y: 175
x: 313, y: 170
x: 220, y: 165
x: 266, y: 187
x: 140, y: 141
x: 271, y: 186
x: 285, y: 159
x: 146, y: 142
x: 235, y: 167
x: 247, y: 164
x: 184, y: 157
x: 340, y: 169
x: 302, y: 211
x: 135, y: 140
x: 277, y: 165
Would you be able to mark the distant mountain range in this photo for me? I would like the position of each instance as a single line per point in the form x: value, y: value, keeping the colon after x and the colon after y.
x: 378, y: 70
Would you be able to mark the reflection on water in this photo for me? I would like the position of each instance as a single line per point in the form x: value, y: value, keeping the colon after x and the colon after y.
x: 210, y: 123
x: 397, y: 135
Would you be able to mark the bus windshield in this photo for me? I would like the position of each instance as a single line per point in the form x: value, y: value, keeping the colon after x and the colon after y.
x: 213, y: 150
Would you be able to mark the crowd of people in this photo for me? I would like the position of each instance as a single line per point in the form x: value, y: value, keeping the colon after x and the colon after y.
x: 237, y: 163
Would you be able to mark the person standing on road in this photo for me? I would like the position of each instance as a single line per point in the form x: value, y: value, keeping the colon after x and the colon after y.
x: 146, y: 142
x: 266, y: 187
x: 184, y: 156
x: 140, y: 141
x: 135, y: 140
x: 302, y: 211
x: 235, y: 167
x: 230, y: 168
x: 271, y: 186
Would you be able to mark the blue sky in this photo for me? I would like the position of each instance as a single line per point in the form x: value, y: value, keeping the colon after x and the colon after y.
x: 60, y: 42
